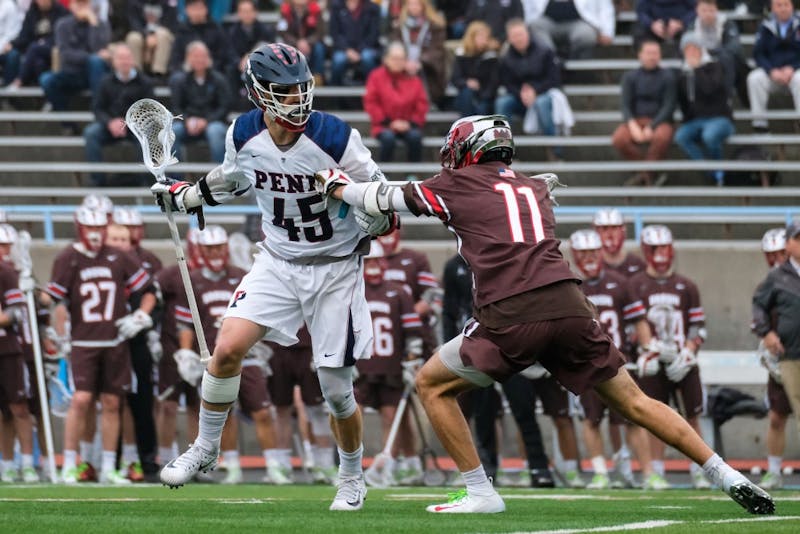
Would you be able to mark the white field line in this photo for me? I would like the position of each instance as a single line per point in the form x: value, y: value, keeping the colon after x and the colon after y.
x: 654, y: 524
x: 140, y: 499
x: 520, y: 496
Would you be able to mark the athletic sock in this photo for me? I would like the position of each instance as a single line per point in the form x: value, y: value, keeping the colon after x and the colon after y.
x: 130, y: 455
x: 211, y: 425
x: 694, y: 468
x: 9, y: 465
x: 599, y: 465
x: 26, y: 460
x: 658, y: 467
x: 323, y: 457
x: 570, y: 465
x: 350, y: 462
x: 70, y: 459
x: 86, y: 448
x: 165, y: 454
x: 109, y: 461
x: 774, y: 464
x: 477, y: 482
x: 413, y: 462
x: 231, y: 458
x: 721, y: 474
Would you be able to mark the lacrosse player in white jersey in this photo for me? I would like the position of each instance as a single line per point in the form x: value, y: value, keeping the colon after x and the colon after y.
x: 308, y: 268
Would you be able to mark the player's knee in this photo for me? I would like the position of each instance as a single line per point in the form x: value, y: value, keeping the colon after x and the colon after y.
x: 777, y: 421
x: 337, y: 388
x: 228, y: 355
x: 20, y: 410
x: 169, y: 410
x: 80, y: 401
x: 110, y: 402
x: 262, y: 417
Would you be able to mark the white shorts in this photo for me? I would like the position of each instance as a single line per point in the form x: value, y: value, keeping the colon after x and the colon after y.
x: 329, y: 298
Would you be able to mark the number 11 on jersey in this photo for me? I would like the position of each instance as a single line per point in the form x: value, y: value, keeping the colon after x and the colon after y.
x: 512, y: 208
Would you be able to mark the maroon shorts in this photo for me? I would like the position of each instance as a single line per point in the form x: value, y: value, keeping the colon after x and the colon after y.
x: 101, y: 369
x: 776, y: 396
x: 14, y: 383
x: 554, y: 398
x: 687, y: 395
x: 253, y: 394
x: 168, y: 377
x: 33, y: 397
x: 594, y: 409
x: 575, y: 350
x: 377, y: 391
x: 292, y: 367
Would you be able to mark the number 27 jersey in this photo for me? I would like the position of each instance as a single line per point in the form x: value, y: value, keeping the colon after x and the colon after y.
x: 295, y: 220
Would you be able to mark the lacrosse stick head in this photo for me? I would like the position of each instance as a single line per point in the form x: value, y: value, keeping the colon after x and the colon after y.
x: 20, y: 253
x: 151, y: 123
x: 8, y: 240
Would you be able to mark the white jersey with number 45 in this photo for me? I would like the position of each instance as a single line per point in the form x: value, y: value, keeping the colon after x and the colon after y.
x: 295, y: 220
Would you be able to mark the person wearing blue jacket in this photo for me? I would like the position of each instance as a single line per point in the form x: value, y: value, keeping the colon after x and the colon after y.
x: 777, y: 56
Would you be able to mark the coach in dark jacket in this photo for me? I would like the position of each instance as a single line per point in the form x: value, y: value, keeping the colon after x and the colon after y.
x: 777, y: 55
x: 777, y: 302
x: 203, y: 97
x: 33, y: 47
x: 198, y: 27
x: 355, y: 30
x: 704, y: 97
x: 111, y: 101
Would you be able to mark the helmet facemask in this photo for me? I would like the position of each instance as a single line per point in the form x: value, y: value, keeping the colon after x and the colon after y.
x: 271, y: 99
x: 470, y: 138
x: 373, y: 270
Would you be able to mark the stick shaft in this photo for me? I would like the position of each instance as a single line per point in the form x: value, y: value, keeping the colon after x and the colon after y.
x: 398, y: 417
x: 205, y: 356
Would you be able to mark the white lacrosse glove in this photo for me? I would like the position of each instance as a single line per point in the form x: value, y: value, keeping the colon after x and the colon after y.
x: 190, y: 368
x: 62, y: 343
x: 26, y: 284
x: 374, y: 225
x: 328, y: 180
x: 410, y: 370
x: 434, y: 296
x: 154, y: 346
x: 535, y: 372
x: 182, y: 197
x: 133, y: 323
x: 647, y: 364
x: 17, y: 314
x: 770, y: 361
x: 667, y: 351
x: 681, y: 365
x: 263, y: 353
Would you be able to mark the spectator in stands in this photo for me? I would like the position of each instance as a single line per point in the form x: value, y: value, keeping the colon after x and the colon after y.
x: 32, y: 50
x: 153, y: 25
x: 648, y: 102
x: 421, y: 29
x: 301, y: 25
x: 496, y: 16
x: 245, y: 35
x: 531, y: 75
x: 777, y: 55
x: 662, y: 20
x: 10, y: 26
x: 776, y: 315
x: 355, y: 29
x: 397, y: 104
x: 82, y: 40
x: 453, y: 11
x: 198, y: 27
x: 704, y: 98
x: 203, y: 97
x: 578, y: 24
x: 118, y: 90
x: 720, y: 36
x: 475, y: 70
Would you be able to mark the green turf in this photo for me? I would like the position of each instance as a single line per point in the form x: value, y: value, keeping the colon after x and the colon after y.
x: 202, y: 509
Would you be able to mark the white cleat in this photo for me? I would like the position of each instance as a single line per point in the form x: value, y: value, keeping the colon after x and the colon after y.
x: 114, y: 477
x: 278, y: 474
x: 234, y: 475
x: 699, y: 481
x: 771, y: 481
x: 9, y: 475
x: 463, y: 503
x: 183, y: 468
x: 69, y: 476
x: 29, y: 475
x: 350, y: 495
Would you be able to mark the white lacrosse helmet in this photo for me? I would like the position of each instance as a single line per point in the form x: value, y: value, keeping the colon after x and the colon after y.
x: 656, y: 235
x: 774, y: 240
x: 375, y: 264
x: 131, y: 218
x: 585, y: 240
x: 8, y: 234
x: 608, y: 217
x: 91, y: 225
x: 190, y: 368
x: 99, y: 202
x: 471, y: 138
x: 653, y: 237
x: 214, y: 258
x: 375, y: 250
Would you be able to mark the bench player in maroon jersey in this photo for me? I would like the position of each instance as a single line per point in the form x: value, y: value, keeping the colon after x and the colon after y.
x: 14, y: 384
x: 397, y: 338
x: 97, y: 282
x: 171, y: 385
x: 214, y: 285
x: 773, y: 245
x: 608, y: 292
x: 528, y: 306
x: 670, y: 328
x: 610, y: 224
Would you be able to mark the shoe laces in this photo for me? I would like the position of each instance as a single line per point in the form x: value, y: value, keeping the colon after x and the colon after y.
x: 190, y: 458
x: 457, y: 497
x: 349, y: 488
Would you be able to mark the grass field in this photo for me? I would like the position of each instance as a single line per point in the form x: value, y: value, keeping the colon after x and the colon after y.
x: 250, y: 508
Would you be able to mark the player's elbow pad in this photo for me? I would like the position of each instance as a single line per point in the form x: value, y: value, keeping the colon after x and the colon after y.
x: 217, y: 187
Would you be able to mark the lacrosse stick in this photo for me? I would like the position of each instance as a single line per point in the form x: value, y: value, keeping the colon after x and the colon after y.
x: 151, y: 123
x: 375, y: 475
x: 26, y: 274
x: 663, y: 318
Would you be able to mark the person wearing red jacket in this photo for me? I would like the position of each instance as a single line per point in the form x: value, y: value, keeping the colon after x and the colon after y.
x: 301, y: 26
x: 397, y: 104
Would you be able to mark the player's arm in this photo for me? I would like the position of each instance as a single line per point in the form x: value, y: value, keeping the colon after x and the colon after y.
x: 696, y: 335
